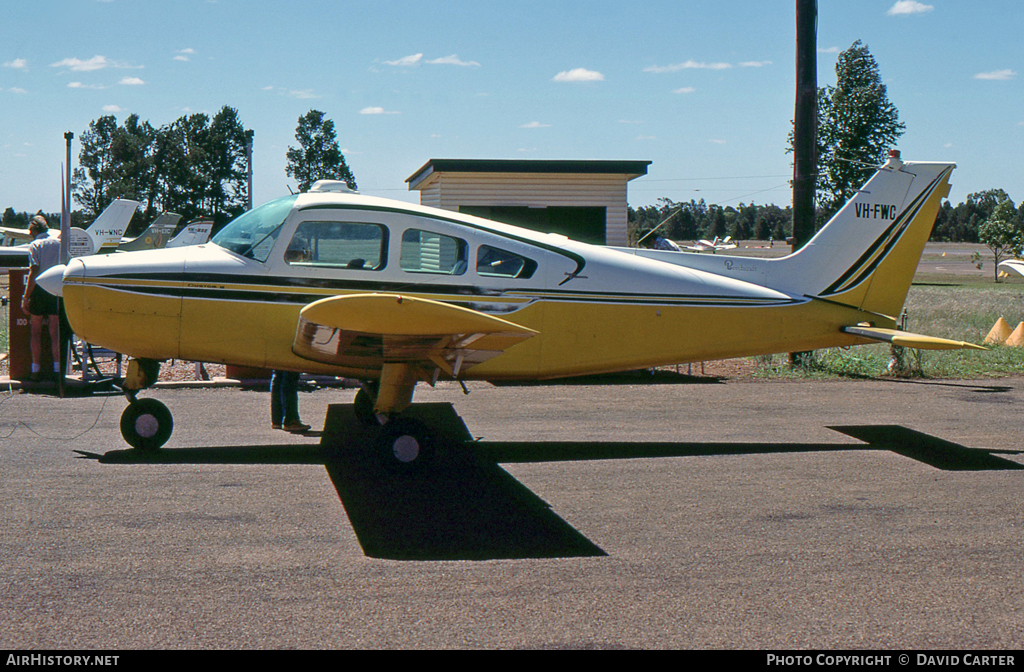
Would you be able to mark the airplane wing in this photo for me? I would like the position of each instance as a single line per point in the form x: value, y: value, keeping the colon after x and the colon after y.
x: 16, y: 234
x: 367, y: 331
x: 909, y: 340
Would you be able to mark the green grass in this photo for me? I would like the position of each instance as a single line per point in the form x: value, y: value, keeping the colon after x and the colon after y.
x: 963, y: 311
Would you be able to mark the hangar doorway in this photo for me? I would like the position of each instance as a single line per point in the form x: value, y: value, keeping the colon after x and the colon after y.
x: 586, y: 224
x: 584, y: 200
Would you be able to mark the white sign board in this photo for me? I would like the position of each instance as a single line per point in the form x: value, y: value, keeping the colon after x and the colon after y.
x: 80, y: 244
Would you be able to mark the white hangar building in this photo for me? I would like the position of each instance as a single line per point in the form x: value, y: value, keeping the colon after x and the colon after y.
x: 584, y: 200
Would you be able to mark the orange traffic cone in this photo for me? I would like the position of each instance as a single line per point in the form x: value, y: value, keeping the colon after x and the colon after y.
x: 999, y: 333
x: 1016, y: 339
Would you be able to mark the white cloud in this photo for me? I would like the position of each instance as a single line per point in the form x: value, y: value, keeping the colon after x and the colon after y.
x: 303, y: 94
x: 579, y: 75
x: 17, y: 89
x: 17, y: 64
x: 754, y: 64
x: 646, y: 137
x: 79, y: 85
x: 999, y: 75
x: 687, y: 65
x: 535, y: 124
x: 909, y: 7
x: 131, y: 81
x: 830, y: 50
x: 111, y: 108
x: 376, y: 110
x: 181, y: 58
x: 183, y: 54
x: 406, y: 61
x: 685, y: 89
x: 94, y: 63
x: 716, y: 142
x: 453, y: 60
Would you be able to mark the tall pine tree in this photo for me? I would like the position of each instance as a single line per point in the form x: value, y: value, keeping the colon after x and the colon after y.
x: 857, y: 125
x: 318, y: 156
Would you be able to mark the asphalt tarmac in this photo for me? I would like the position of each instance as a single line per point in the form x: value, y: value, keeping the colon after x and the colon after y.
x: 685, y: 514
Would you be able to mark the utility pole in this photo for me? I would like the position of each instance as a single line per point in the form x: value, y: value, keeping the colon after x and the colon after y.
x: 805, y: 122
x: 248, y: 170
x: 65, y: 215
x: 63, y: 333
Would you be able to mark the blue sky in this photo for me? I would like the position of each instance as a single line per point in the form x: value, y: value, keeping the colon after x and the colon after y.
x: 703, y: 89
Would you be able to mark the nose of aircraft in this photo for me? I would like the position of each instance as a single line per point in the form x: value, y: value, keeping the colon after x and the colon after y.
x: 52, y: 280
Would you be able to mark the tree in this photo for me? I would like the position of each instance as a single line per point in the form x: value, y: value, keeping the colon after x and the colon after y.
x: 857, y: 125
x: 91, y: 180
x: 318, y: 156
x: 1000, y: 234
x: 227, y: 165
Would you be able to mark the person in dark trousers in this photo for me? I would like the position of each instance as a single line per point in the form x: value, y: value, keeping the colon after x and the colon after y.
x: 37, y: 303
x: 284, y: 402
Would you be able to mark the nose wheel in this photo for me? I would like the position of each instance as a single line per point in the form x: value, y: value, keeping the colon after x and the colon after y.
x: 146, y: 424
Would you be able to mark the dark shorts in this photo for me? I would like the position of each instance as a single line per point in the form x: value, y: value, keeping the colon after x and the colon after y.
x: 41, y: 302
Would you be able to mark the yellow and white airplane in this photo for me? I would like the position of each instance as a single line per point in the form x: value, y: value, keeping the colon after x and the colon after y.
x: 395, y: 294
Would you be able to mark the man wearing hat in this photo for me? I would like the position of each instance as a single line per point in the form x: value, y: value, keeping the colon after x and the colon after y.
x: 43, y: 252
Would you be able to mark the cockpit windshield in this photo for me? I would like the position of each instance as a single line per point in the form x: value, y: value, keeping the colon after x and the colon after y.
x: 253, y: 233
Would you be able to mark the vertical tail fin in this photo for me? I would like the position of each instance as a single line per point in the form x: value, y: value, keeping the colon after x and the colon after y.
x: 867, y: 254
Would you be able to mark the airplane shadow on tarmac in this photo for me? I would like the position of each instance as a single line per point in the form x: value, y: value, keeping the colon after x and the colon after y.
x: 464, y: 506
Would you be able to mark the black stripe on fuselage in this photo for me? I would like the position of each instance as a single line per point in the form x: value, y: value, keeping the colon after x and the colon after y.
x: 275, y: 290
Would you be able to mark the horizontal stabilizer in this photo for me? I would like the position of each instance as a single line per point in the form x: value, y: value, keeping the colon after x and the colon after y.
x: 908, y: 340
x: 369, y: 330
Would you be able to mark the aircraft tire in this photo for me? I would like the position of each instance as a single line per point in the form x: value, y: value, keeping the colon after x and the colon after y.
x: 146, y: 424
x: 406, y: 445
x: 363, y: 408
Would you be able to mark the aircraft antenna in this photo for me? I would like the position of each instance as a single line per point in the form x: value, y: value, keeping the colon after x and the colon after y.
x: 660, y: 224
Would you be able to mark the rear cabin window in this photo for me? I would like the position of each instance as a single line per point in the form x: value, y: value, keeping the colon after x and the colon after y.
x: 351, y: 245
x: 495, y: 262
x: 428, y: 252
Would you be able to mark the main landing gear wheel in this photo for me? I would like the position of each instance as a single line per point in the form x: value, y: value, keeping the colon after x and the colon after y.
x: 406, y: 445
x: 146, y: 424
x: 363, y: 404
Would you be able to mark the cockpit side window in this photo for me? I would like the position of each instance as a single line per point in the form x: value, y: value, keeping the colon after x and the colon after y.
x: 352, y: 245
x: 254, y: 233
x: 495, y: 262
x: 429, y: 252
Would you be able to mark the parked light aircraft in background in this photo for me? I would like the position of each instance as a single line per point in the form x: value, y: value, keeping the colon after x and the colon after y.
x: 1012, y: 265
x: 395, y: 294
x: 193, y: 233
x: 103, y: 235
x: 712, y: 245
x: 156, y: 235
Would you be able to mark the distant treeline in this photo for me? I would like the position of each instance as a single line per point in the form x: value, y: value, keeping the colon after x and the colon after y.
x: 19, y: 220
x: 697, y: 219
